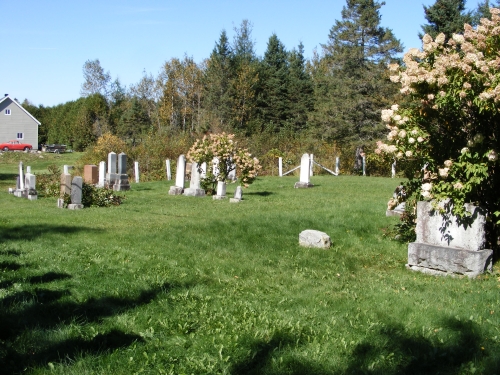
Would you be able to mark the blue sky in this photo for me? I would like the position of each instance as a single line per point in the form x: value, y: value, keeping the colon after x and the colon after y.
x: 46, y: 42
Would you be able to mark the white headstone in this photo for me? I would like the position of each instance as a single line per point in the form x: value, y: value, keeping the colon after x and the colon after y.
x: 169, y: 172
x: 280, y: 166
x: 238, y: 195
x: 66, y: 169
x: 393, y: 169
x: 136, y: 170
x: 311, y: 165
x: 337, y: 165
x: 194, y: 185
x: 364, y: 165
x: 181, y: 171
x: 221, y: 190
x: 28, y: 169
x: 102, y: 174
x: 21, y: 175
x: 305, y: 162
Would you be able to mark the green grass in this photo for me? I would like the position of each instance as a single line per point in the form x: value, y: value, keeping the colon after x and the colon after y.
x: 182, y: 285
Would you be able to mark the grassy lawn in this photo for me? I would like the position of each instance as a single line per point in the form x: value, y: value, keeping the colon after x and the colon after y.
x: 183, y: 285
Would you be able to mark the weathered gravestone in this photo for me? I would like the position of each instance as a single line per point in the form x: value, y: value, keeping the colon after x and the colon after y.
x: 102, y: 174
x: 20, y: 182
x: 194, y: 189
x: 122, y: 183
x: 314, y: 238
x: 179, y: 177
x: 238, y: 195
x: 30, y: 186
x: 111, y: 175
x: 90, y: 174
x: 76, y: 193
x: 65, y: 189
x: 446, y: 245
x: 304, y: 173
x: 221, y: 190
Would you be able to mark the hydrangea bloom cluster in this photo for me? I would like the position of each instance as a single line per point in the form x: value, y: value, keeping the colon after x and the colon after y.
x: 450, y: 122
x: 222, y: 150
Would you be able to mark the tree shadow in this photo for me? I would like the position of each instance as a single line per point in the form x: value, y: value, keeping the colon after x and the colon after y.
x: 8, y: 177
x: 32, y: 232
x: 393, y: 351
x: 259, y: 193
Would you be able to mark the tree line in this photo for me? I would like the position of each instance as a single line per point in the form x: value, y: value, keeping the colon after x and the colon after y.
x: 336, y: 96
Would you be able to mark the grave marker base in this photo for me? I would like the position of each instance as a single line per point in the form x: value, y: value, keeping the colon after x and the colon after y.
x: 175, y: 190
x: 302, y: 185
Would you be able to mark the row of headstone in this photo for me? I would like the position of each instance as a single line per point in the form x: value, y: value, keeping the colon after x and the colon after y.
x: 25, y: 184
x: 197, y: 174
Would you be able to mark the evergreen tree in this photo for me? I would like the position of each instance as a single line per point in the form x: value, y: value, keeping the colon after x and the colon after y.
x: 217, y: 79
x: 243, y: 45
x: 300, y: 89
x: 351, y: 82
x: 273, y: 104
x: 134, y: 122
x: 446, y: 16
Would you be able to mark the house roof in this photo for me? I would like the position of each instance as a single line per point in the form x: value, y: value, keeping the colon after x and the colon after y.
x: 20, y: 106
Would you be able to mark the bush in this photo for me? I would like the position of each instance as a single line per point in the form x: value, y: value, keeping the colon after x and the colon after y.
x: 93, y: 196
x: 49, y: 184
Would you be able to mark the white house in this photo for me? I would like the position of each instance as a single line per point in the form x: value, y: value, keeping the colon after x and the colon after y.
x: 16, y: 123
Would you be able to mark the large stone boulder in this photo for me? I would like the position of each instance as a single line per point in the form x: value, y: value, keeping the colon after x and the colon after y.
x: 314, y: 238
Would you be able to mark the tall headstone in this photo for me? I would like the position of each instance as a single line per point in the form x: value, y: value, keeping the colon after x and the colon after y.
x: 169, y: 172
x: 304, y: 172
x: 102, y: 174
x: 30, y: 186
x: 111, y: 175
x: 136, y: 170
x: 90, y: 174
x: 232, y: 173
x: 194, y: 189
x: 393, y: 169
x: 28, y: 169
x: 76, y: 193
x: 21, y: 175
x: 337, y: 165
x: 364, y: 165
x: 280, y: 166
x: 311, y: 165
x: 122, y: 183
x: 221, y: 190
x: 178, y: 188
x: 238, y: 195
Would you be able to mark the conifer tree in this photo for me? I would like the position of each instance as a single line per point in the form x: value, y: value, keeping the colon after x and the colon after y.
x: 300, y: 89
x: 447, y: 17
x: 351, y: 82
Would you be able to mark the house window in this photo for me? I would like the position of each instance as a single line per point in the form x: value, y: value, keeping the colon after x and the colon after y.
x: 20, y: 135
x: 7, y: 111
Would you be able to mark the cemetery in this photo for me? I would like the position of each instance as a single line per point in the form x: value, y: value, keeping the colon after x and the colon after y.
x: 289, y: 278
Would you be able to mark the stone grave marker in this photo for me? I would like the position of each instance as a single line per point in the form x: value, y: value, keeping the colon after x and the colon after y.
x: 444, y: 245
x: 30, y: 186
x: 111, y: 175
x: 178, y: 188
x: 76, y: 193
x: 122, y: 183
x: 238, y: 195
x: 169, y: 173
x: 194, y: 189
x: 221, y: 190
x: 304, y: 172
x: 90, y: 174
x: 102, y: 174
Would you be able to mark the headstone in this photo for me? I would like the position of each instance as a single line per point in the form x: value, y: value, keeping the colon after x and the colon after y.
x: 111, y: 175
x: 122, y: 183
x: 28, y: 169
x: 221, y: 190
x: 90, y: 174
x: 102, y: 174
x: 238, y: 195
x: 66, y: 169
x: 337, y: 165
x: 215, y: 166
x: 179, y: 177
x: 232, y: 173
x: 311, y: 165
x: 393, y: 169
x: 65, y: 184
x: 444, y: 245
x: 314, y: 238
x: 136, y: 170
x: 304, y: 172
x: 169, y: 172
x: 30, y: 186
x: 364, y: 165
x: 203, y: 173
x: 194, y: 189
x: 280, y: 166
x: 76, y: 194
x: 21, y: 175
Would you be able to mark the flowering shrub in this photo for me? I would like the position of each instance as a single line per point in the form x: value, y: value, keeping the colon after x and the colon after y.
x: 221, y: 147
x: 445, y: 135
x: 93, y: 196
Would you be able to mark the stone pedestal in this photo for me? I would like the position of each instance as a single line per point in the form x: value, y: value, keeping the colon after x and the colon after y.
x: 175, y: 190
x: 446, y: 246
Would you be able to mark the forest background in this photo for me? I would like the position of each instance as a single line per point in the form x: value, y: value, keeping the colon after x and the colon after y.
x: 277, y: 105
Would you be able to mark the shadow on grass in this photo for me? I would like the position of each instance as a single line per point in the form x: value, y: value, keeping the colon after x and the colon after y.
x: 389, y: 351
x: 8, y: 177
x: 259, y: 193
x: 42, y: 311
x: 31, y: 232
